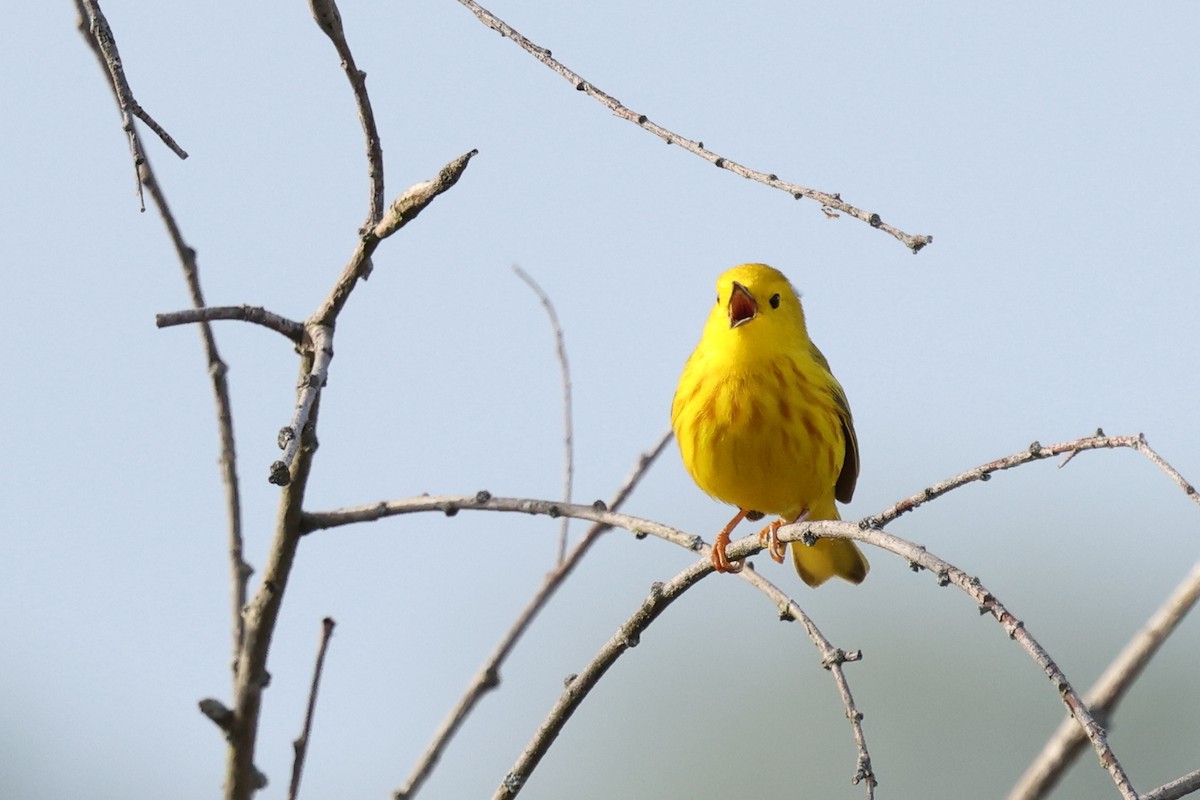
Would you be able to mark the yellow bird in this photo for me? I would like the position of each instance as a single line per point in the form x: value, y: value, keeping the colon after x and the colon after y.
x: 763, y: 424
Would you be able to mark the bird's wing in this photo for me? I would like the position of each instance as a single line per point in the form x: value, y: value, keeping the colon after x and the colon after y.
x: 844, y: 488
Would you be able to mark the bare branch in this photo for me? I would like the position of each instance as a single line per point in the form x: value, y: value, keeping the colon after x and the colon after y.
x: 832, y: 658
x: 291, y: 437
x: 829, y: 202
x: 1144, y: 448
x: 629, y: 635
x: 413, y: 200
x: 218, y: 712
x: 300, y: 745
x: 947, y: 573
x: 242, y: 778
x: 578, y: 686
x: 488, y: 677
x: 240, y: 571
x: 256, y: 314
x: 329, y: 20
x: 94, y: 26
x: 1067, y: 741
x: 410, y: 203
x: 568, y: 432
x: 1180, y: 787
x: 1035, y: 452
x: 483, y: 501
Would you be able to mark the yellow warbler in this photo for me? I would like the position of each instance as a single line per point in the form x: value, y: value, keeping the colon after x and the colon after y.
x: 763, y: 424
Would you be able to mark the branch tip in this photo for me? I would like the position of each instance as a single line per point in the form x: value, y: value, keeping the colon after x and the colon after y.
x: 218, y: 712
x: 413, y: 200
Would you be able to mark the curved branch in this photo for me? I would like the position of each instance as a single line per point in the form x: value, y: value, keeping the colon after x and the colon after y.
x: 255, y: 314
x: 578, y: 686
x: 832, y: 659
x: 411, y: 202
x: 488, y: 677
x: 94, y: 29
x: 568, y: 433
x: 1035, y: 452
x: 329, y: 20
x: 830, y: 203
x: 629, y: 635
x: 916, y: 555
x: 947, y: 573
x: 484, y: 501
x: 100, y: 36
x: 1067, y: 741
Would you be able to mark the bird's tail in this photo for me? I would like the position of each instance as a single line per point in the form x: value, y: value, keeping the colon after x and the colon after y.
x: 826, y: 558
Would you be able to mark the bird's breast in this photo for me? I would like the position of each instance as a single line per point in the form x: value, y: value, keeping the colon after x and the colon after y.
x: 766, y: 437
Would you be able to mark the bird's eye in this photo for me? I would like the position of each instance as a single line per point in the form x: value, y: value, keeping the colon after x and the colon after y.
x: 774, y: 301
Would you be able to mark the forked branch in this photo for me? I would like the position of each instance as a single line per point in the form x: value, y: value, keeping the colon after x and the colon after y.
x: 329, y: 20
x: 488, y: 677
x: 94, y: 26
x: 867, y: 532
x: 99, y: 37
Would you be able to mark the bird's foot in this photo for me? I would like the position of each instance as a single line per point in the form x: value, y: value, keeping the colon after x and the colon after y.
x: 768, y: 537
x: 720, y: 559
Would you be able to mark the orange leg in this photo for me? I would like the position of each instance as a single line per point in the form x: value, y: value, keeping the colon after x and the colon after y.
x: 768, y: 537
x: 721, y: 562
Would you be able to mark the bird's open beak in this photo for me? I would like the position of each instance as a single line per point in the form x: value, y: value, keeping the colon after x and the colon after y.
x: 742, y: 305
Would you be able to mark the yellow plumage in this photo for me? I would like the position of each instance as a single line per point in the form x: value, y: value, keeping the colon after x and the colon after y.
x: 763, y: 424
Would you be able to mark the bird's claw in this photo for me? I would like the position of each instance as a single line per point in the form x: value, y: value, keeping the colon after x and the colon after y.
x: 720, y: 559
x: 768, y: 537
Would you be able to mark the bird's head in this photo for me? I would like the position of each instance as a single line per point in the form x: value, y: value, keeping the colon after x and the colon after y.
x: 757, y: 307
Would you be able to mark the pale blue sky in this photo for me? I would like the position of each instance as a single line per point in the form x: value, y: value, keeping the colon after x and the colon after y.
x: 1052, y: 154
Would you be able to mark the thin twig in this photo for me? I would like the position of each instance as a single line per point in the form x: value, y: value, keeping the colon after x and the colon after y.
x: 1145, y: 449
x: 629, y: 635
x: 292, y: 436
x: 1065, y: 745
x: 578, y: 686
x: 240, y: 571
x: 218, y: 712
x: 300, y: 745
x: 916, y: 555
x: 830, y: 203
x: 1180, y: 787
x: 411, y: 202
x: 947, y: 573
x: 483, y: 500
x: 256, y: 314
x: 298, y: 440
x: 100, y: 36
x: 1035, y: 452
x: 568, y: 429
x: 329, y: 20
x: 488, y: 677
x: 832, y: 658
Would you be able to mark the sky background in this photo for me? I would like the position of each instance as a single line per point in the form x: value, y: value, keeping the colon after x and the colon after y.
x: 1050, y: 151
